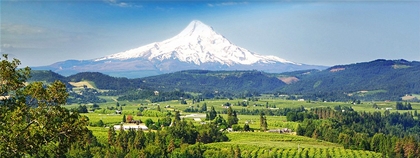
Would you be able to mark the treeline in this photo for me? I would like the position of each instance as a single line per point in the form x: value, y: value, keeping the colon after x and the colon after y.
x: 392, y: 134
x: 84, y: 96
x: 333, y: 96
x: 201, y: 81
x: 210, y: 81
x: 153, y: 96
x: 401, y: 106
x: 269, y: 112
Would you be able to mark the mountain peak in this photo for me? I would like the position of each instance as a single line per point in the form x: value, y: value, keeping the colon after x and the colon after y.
x: 196, y: 28
x: 197, y: 46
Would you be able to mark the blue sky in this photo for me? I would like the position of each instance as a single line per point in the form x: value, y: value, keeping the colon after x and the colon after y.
x: 311, y: 32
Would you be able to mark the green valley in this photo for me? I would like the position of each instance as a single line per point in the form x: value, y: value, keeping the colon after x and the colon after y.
x: 199, y: 113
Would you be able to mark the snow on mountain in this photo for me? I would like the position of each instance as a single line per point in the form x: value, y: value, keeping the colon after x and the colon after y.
x: 198, y: 44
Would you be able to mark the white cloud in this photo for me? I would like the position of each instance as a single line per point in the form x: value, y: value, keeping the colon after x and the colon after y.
x: 122, y: 4
x: 20, y: 29
x: 226, y: 4
x: 6, y: 45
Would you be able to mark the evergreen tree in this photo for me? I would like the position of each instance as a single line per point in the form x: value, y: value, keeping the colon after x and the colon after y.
x: 263, y: 122
x: 100, y: 123
x: 122, y: 140
x: 171, y: 146
x: 139, y: 140
x: 124, y: 119
x: 235, y: 117
x: 212, y: 113
x: 177, y: 117
x: 232, y: 117
x: 111, y: 136
x: 246, y: 127
x: 204, y: 107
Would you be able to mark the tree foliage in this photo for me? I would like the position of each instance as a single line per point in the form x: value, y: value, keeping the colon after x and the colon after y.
x: 32, y: 120
x: 392, y: 134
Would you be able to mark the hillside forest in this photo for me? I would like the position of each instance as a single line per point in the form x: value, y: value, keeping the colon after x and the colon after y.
x: 375, y: 80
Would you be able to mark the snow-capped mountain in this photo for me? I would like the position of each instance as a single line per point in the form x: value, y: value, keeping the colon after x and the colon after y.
x: 198, y: 46
x: 197, y: 43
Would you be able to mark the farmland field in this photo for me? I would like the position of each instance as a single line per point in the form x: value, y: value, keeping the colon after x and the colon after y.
x: 252, y: 144
x: 131, y: 108
x: 263, y: 144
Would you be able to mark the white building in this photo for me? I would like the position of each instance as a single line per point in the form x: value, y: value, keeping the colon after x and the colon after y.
x: 131, y: 126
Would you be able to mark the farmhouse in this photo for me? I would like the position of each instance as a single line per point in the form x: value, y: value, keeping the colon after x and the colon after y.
x: 131, y: 126
x: 284, y: 130
x: 137, y: 122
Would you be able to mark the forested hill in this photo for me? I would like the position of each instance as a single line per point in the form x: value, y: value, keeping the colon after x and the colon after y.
x: 103, y: 81
x: 388, y: 79
x: 46, y: 76
x: 100, y: 80
x: 227, y: 81
x: 190, y: 80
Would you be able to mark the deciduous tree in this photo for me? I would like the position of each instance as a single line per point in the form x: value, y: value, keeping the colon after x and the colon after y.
x: 32, y: 122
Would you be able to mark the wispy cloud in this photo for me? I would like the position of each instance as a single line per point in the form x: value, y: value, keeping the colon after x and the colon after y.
x: 226, y: 4
x: 122, y: 4
x: 20, y: 29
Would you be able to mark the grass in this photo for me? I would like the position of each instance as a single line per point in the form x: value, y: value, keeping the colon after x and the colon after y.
x: 88, y: 84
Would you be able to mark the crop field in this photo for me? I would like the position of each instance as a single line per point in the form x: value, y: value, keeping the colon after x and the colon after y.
x: 252, y: 144
x: 132, y: 108
x: 273, y: 140
x: 263, y: 144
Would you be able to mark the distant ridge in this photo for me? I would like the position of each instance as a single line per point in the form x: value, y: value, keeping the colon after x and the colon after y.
x: 198, y: 46
x: 374, y: 80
